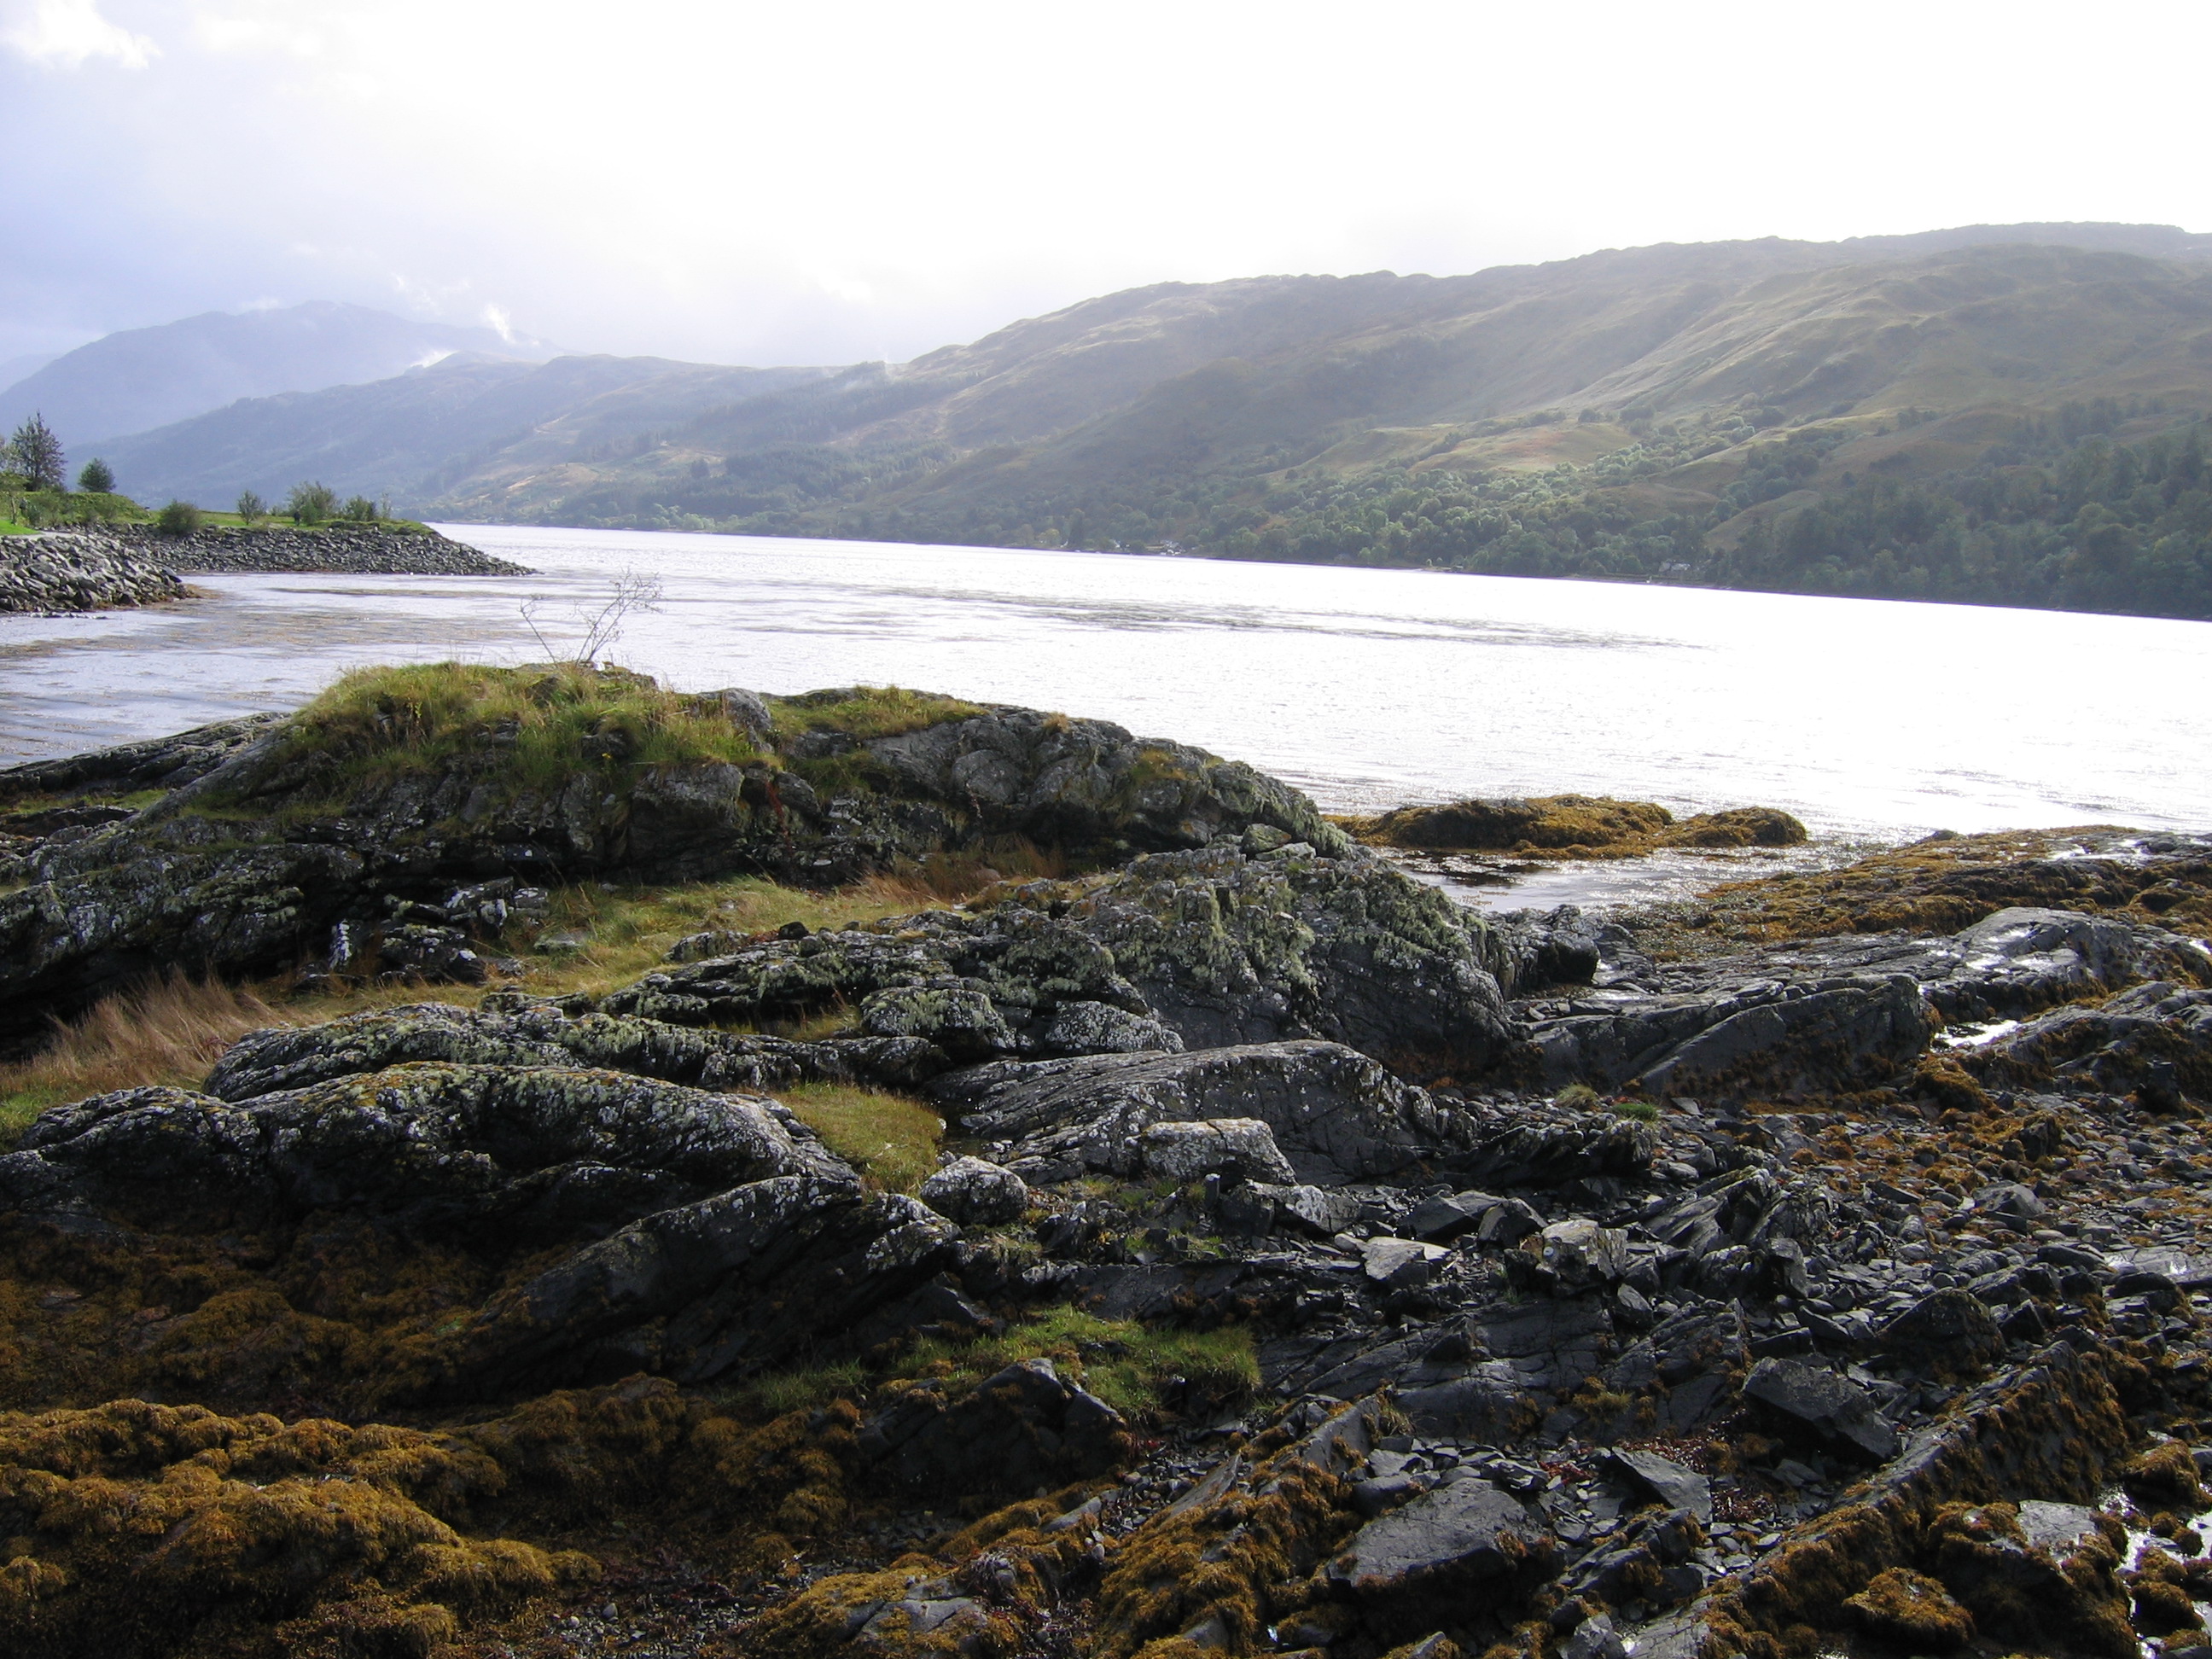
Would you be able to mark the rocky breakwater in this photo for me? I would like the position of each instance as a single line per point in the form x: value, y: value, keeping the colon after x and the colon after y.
x: 81, y: 570
x: 1313, y: 1266
x: 386, y: 550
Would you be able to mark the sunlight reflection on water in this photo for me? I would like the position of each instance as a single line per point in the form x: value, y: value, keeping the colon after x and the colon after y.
x: 1367, y: 687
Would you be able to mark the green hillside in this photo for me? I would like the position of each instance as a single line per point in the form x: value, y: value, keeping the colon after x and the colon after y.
x: 1928, y: 416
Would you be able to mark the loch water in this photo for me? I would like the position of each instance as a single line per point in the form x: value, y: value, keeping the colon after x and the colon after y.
x: 1870, y: 719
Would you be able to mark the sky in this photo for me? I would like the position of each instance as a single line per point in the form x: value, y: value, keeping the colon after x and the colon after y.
x: 737, y: 182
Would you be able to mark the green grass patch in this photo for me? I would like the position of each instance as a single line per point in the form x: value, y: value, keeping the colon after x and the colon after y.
x: 890, y: 1138
x: 863, y: 712
x: 1123, y: 1363
x: 539, y: 727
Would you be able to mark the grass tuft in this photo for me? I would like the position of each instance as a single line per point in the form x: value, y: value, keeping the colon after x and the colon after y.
x: 169, y: 1031
x: 890, y: 1138
x: 863, y: 712
x: 1125, y: 1364
x: 544, y: 725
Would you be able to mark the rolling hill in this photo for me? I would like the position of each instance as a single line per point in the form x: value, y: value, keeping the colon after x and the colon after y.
x: 1643, y: 413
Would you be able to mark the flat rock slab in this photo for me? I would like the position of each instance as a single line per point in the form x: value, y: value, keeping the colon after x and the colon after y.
x: 1666, y: 1481
x: 1833, y: 1407
x: 1446, y: 1557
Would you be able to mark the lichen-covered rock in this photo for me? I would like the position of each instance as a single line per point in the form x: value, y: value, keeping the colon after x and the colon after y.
x: 977, y: 1193
x: 309, y: 832
x: 1335, y: 1114
x: 1201, y: 949
x: 488, y: 1152
x: 1023, y: 1428
x: 519, y: 1032
x: 1242, y: 1148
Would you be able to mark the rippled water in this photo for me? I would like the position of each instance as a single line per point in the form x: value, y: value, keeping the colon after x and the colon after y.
x: 1368, y: 688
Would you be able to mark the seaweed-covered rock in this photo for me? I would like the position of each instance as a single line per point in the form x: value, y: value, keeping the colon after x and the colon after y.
x: 1335, y: 1114
x: 2152, y: 1040
x: 1909, y: 1607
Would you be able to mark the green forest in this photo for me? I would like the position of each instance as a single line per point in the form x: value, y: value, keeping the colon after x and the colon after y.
x: 2064, y: 516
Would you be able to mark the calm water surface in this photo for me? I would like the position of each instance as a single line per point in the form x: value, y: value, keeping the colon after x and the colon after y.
x: 1367, y: 687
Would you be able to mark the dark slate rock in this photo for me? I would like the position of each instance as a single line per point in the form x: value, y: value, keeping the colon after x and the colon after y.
x: 1947, y: 1327
x: 1442, y: 1557
x: 1833, y: 1407
x: 1024, y: 1428
x: 1665, y: 1481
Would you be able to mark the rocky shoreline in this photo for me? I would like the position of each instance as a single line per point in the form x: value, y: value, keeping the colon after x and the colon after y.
x: 1314, y: 1267
x: 362, y: 550
x: 62, y: 571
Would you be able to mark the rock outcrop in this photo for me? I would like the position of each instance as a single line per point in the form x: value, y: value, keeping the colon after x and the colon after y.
x: 1307, y: 1266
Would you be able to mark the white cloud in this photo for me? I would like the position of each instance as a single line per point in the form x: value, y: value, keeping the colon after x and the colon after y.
x: 68, y: 33
x: 497, y: 320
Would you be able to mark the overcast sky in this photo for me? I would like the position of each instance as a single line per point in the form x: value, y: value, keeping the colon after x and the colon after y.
x: 739, y: 182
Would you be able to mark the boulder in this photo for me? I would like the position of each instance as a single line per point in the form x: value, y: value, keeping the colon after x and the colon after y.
x: 1336, y: 1115
x: 1834, y: 1408
x: 1666, y: 1482
x: 1241, y: 1148
x: 1023, y: 1428
x: 1448, y: 1557
x: 1951, y: 1329
x: 976, y: 1193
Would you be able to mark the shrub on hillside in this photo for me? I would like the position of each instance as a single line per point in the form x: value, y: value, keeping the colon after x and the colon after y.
x: 177, y: 520
x: 311, y: 503
x: 98, y: 478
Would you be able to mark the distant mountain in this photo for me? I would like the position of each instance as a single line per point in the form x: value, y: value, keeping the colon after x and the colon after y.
x: 412, y: 436
x: 148, y: 377
x: 1665, y: 412
x: 16, y: 367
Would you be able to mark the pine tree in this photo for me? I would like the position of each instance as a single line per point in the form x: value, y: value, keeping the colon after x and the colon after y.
x: 36, y: 453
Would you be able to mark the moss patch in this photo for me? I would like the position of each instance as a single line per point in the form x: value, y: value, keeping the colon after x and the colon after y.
x: 864, y: 712
x: 544, y: 726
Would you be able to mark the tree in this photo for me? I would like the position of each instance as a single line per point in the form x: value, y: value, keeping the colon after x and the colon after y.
x: 311, y: 503
x: 251, y: 507
x: 36, y: 453
x: 361, y: 509
x: 98, y: 478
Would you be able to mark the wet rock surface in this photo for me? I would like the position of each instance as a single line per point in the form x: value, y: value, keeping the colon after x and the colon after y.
x: 1311, y: 1268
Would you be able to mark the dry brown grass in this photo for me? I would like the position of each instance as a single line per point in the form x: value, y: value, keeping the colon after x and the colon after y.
x: 172, y: 1030
x: 168, y: 1031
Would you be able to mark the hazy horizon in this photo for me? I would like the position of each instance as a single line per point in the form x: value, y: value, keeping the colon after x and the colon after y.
x: 746, y: 186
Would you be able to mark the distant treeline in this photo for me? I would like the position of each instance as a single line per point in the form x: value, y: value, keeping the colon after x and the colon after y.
x: 2063, y: 516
